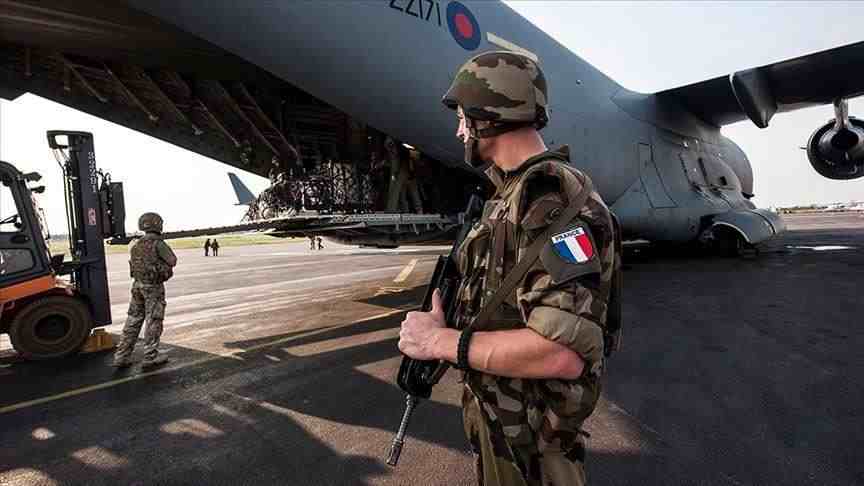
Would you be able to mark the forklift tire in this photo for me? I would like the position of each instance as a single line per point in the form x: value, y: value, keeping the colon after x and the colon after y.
x: 50, y: 327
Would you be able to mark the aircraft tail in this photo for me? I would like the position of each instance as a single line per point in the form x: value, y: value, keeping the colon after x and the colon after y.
x: 244, y: 195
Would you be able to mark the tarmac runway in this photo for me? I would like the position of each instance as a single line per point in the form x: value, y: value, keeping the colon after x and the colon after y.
x: 733, y: 371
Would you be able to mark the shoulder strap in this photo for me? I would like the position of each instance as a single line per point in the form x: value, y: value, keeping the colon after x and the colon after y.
x: 530, y: 256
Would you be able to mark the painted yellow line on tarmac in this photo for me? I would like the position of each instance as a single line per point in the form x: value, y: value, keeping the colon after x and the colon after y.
x: 403, y: 275
x: 109, y: 384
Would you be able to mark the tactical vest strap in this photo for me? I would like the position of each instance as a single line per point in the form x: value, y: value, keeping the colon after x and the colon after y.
x: 613, y: 332
x: 530, y: 256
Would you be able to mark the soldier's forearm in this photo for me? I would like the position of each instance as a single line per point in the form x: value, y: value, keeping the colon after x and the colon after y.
x: 519, y: 353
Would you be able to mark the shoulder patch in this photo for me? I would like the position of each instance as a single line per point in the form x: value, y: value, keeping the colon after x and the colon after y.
x: 573, y: 246
x: 570, y: 254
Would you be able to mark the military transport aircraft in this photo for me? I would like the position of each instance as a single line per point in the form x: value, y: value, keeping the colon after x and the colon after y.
x: 340, y: 101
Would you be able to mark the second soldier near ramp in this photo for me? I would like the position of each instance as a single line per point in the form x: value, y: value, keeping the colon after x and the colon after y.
x: 532, y: 374
x: 151, y: 263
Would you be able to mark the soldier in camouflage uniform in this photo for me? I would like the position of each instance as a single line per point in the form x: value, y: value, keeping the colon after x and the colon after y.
x: 151, y: 263
x: 532, y: 376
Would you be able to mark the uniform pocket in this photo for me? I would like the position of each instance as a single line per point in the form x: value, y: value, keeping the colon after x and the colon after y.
x: 474, y: 247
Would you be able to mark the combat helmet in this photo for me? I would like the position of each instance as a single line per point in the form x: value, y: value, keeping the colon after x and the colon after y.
x: 505, y: 88
x: 150, y: 222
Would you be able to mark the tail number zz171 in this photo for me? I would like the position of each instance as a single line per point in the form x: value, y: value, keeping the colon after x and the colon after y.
x: 421, y: 9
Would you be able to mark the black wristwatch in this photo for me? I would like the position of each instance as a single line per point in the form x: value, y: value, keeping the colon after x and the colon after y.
x: 462, y: 350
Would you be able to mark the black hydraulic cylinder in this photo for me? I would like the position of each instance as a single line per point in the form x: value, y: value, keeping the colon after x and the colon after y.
x: 86, y: 220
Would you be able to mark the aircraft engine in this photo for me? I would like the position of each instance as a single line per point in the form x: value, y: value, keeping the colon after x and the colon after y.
x: 836, y: 150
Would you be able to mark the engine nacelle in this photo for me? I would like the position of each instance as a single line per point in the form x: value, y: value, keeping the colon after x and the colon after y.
x: 836, y: 150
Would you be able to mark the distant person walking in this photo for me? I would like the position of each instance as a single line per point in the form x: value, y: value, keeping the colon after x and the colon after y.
x: 207, y: 247
x: 320, y: 243
x: 311, y: 242
x: 215, y: 247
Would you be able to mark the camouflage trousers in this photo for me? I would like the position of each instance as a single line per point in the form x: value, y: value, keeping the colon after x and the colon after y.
x: 497, y: 463
x: 147, y: 303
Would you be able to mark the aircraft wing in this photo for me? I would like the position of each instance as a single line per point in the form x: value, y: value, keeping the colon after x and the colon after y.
x: 759, y: 93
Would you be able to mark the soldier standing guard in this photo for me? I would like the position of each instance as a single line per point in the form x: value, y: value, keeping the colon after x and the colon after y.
x: 151, y: 263
x: 532, y: 374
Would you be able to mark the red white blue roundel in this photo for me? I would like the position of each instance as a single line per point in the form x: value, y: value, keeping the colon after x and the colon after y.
x: 573, y: 246
x: 463, y: 26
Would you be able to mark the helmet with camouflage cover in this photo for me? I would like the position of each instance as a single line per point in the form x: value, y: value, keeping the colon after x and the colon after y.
x: 150, y: 222
x: 500, y: 86
x: 505, y: 88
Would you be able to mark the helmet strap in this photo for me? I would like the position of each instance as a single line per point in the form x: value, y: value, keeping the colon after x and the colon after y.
x: 472, y: 157
x: 500, y: 129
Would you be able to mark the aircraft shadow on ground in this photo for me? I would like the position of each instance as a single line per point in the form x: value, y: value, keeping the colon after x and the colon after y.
x: 229, y: 420
x: 160, y: 430
x: 735, y: 370
x: 401, y: 299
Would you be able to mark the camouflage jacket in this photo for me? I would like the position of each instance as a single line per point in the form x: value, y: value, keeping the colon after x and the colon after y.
x: 562, y: 297
x: 149, y: 260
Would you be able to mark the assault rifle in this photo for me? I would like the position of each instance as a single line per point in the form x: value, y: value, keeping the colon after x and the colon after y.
x: 416, y: 378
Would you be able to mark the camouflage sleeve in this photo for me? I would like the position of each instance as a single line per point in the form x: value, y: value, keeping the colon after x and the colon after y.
x: 566, y: 301
x: 166, y: 253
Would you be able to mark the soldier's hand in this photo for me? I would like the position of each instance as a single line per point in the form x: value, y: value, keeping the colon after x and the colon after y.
x: 420, y: 331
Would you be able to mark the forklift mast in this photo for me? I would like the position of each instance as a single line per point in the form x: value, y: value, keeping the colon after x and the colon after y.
x: 95, y: 211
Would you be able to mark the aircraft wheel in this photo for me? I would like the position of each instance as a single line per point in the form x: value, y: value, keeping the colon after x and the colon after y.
x: 729, y: 243
x: 50, y: 327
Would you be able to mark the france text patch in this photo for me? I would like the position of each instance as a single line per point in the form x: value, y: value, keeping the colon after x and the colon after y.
x: 573, y: 246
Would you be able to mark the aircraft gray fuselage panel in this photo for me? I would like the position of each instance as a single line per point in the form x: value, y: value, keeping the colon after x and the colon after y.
x: 658, y: 159
x: 378, y: 62
x: 388, y: 63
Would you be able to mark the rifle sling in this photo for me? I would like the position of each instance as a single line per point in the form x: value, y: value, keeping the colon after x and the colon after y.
x: 530, y: 256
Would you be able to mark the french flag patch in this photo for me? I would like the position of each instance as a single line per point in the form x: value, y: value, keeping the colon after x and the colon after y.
x: 573, y: 246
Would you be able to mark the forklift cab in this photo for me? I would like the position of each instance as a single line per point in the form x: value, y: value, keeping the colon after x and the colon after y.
x: 23, y: 252
x: 45, y: 316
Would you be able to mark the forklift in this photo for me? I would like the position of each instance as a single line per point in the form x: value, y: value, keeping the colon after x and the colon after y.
x: 49, y: 306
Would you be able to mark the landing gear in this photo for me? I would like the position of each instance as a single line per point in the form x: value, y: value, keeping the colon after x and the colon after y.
x: 730, y: 243
x: 50, y: 327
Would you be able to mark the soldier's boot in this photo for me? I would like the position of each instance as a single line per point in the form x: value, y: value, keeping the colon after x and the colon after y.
x: 151, y: 344
x: 157, y: 361
x: 121, y: 362
x: 123, y: 354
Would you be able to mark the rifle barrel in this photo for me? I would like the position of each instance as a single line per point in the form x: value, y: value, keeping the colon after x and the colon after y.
x: 399, y: 440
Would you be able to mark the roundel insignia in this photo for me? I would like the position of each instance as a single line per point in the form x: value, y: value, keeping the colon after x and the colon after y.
x: 463, y: 26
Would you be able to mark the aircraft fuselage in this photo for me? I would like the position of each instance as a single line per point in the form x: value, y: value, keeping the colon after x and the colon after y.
x: 664, y: 172
x: 668, y: 175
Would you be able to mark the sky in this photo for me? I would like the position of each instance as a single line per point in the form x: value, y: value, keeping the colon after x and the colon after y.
x: 645, y: 46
